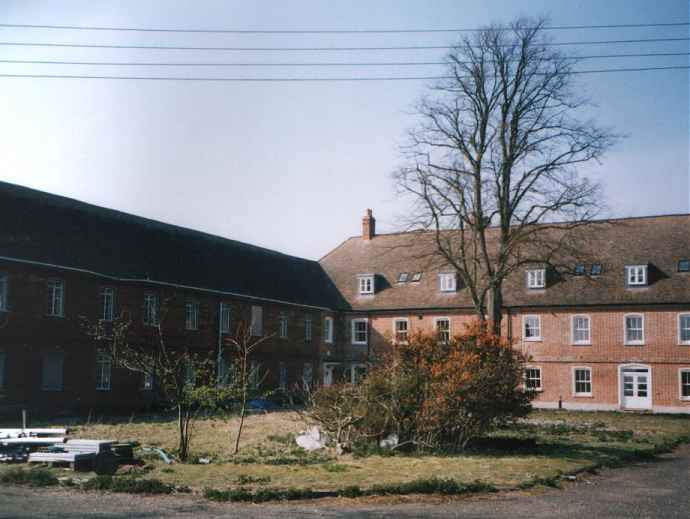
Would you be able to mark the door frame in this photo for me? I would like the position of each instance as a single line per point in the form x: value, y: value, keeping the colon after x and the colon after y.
x: 650, y: 381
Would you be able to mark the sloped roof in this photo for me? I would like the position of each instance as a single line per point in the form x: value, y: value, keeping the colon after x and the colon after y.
x: 41, y: 227
x: 658, y: 241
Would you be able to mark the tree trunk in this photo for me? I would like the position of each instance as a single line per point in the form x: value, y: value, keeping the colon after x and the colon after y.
x: 183, y: 446
x: 242, y: 413
x: 497, y: 307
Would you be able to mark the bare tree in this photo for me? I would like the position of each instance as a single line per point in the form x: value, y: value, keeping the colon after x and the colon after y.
x: 491, y: 166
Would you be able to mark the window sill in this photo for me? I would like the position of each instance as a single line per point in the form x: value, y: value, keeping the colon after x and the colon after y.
x: 532, y: 390
x: 685, y: 399
x: 684, y: 344
x: 580, y: 343
x: 102, y: 389
x: 359, y: 343
x: 633, y: 344
x: 582, y: 395
x: 533, y: 339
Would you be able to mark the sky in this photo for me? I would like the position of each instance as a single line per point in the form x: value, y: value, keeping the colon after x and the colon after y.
x: 294, y: 166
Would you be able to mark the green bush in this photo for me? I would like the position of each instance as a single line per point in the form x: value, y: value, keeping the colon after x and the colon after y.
x: 31, y: 477
x: 127, y: 485
x: 351, y: 491
x: 243, y: 479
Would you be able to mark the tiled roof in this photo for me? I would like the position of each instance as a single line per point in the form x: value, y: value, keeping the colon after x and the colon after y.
x: 41, y: 227
x: 658, y: 241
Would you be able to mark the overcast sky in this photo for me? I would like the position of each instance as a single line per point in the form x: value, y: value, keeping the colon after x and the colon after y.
x: 293, y: 166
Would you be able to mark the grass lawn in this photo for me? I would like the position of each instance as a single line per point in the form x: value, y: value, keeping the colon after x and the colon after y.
x: 566, y: 442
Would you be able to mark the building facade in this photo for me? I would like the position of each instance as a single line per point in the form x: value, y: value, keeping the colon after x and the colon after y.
x: 611, y: 332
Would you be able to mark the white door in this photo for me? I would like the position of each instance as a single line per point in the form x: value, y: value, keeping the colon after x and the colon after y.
x: 328, y: 374
x: 636, y: 388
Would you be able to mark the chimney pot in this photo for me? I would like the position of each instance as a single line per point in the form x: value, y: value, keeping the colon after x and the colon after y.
x: 368, y: 225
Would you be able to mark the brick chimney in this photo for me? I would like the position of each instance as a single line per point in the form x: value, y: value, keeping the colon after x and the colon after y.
x: 368, y: 225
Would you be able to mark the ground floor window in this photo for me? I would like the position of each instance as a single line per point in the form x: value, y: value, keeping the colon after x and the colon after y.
x: 685, y: 384
x: 104, y: 368
x: 51, y: 371
x: 533, y: 379
x: 147, y: 381
x: 307, y: 374
x: 400, y: 330
x: 2, y: 369
x: 582, y: 378
x: 283, y: 376
x: 443, y: 329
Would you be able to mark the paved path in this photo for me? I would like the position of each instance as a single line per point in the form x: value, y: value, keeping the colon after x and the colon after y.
x: 647, y: 490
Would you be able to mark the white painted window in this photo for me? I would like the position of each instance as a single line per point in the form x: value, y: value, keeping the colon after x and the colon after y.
x: 684, y: 329
x: 307, y: 329
x: 147, y: 381
x: 307, y: 374
x: 684, y: 265
x: 360, y: 331
x: 51, y: 371
x: 283, y: 326
x: 151, y: 309
x: 582, y: 381
x: 685, y: 384
x: 104, y: 370
x: 257, y: 324
x: 636, y: 275
x: 533, y: 378
x: 442, y: 329
x: 191, y: 310
x: 283, y: 376
x: 107, y: 304
x: 447, y: 282
x: 328, y: 330
x: 634, y: 329
x: 403, y: 277
x: 3, y: 292
x: 225, y: 318
x: 56, y: 298
x: 366, y: 284
x: 581, y: 329
x: 2, y: 369
x: 400, y: 330
x: 536, y: 278
x: 531, y: 328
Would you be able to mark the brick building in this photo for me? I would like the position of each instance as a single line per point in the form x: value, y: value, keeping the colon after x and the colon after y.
x: 611, y: 333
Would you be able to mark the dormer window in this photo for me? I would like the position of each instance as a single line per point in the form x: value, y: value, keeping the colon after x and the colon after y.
x: 448, y: 282
x: 536, y: 278
x: 636, y: 275
x: 416, y: 277
x: 684, y: 265
x: 366, y: 284
x: 403, y: 277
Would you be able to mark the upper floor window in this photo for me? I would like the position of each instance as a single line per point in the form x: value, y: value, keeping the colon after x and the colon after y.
x: 636, y: 275
x: 400, y: 329
x: 447, y: 282
x: 685, y: 384
x: 684, y: 329
x: 443, y: 329
x: 360, y: 331
x: 151, y: 309
x: 107, y: 304
x: 533, y: 378
x: 366, y: 284
x: 684, y: 265
x: 328, y: 329
x: 634, y: 329
x: 257, y: 323
x: 536, y: 278
x: 224, y: 318
x: 104, y: 368
x: 582, y: 382
x: 581, y: 329
x: 3, y: 292
x: 56, y: 298
x: 307, y: 329
x: 532, y: 328
x: 283, y: 326
x: 191, y: 312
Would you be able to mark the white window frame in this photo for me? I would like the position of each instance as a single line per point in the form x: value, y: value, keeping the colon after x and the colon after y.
x: 107, y: 304
x: 448, y: 281
x: 104, y: 371
x: 225, y: 317
x: 328, y: 330
x: 283, y: 326
x: 365, y: 283
x: 681, y: 342
x: 307, y: 329
x: 151, y: 309
x: 625, y: 331
x: 536, y: 278
x: 191, y: 316
x: 573, y: 335
x: 354, y: 332
x: 538, y: 338
x: 541, y: 379
x: 636, y: 275
x: 403, y: 277
x: 574, y: 371
x: 3, y: 292
x: 438, y: 332
x: 56, y: 293
x: 406, y: 332
x: 147, y: 381
x: 256, y: 327
x: 680, y: 384
x: 416, y: 277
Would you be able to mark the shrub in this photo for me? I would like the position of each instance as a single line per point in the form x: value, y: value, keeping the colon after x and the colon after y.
x: 243, y: 479
x: 127, y: 485
x: 31, y: 477
x: 350, y: 491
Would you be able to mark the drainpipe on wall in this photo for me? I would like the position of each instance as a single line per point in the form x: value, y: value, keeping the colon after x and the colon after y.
x: 220, y: 341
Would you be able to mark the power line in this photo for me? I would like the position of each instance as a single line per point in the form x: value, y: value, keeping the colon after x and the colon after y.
x: 325, y: 31
x: 297, y: 49
x: 305, y: 79
x: 304, y: 64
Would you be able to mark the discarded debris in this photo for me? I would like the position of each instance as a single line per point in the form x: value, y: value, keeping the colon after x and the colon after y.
x: 311, y: 440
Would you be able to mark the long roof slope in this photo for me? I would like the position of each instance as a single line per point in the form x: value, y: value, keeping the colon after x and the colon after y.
x: 46, y: 228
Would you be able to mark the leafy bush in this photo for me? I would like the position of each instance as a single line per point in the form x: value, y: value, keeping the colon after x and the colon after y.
x: 31, y: 477
x: 127, y: 485
x: 243, y: 479
x: 260, y: 496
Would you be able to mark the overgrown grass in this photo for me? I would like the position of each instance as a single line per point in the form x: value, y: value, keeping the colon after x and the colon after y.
x: 37, y: 477
x: 128, y: 485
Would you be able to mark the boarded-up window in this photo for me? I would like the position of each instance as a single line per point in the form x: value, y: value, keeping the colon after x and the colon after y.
x: 257, y: 327
x: 52, y: 368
